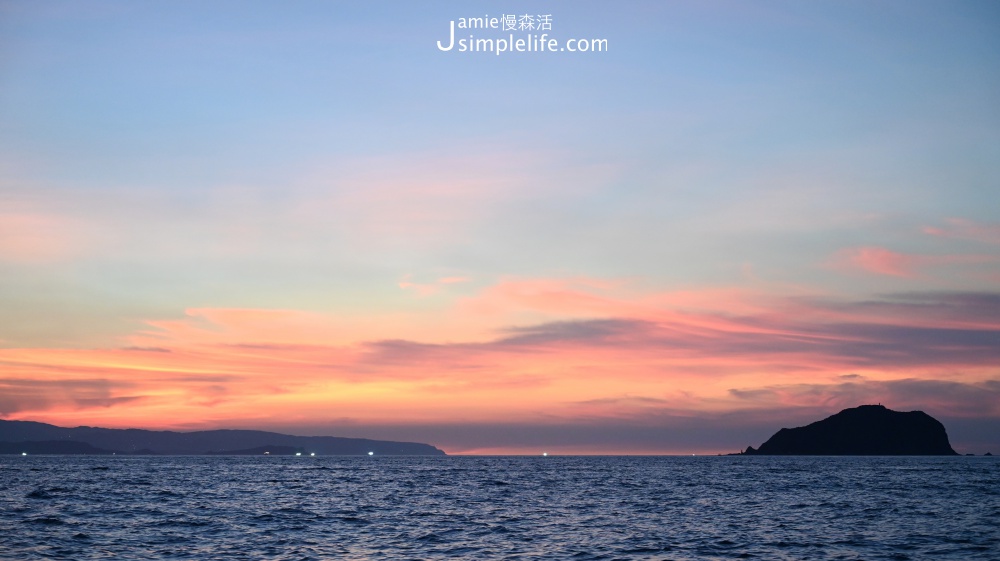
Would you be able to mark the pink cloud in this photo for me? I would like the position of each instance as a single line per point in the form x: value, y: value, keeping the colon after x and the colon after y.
x: 433, y: 197
x: 881, y: 261
x: 876, y: 260
x: 595, y: 349
x: 30, y: 236
x: 962, y: 229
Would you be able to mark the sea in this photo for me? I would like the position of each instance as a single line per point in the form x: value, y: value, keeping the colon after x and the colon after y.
x: 499, y: 507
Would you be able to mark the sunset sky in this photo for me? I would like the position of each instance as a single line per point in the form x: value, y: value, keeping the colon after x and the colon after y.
x: 306, y: 217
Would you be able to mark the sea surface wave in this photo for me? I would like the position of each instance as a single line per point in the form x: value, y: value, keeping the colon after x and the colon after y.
x: 501, y: 507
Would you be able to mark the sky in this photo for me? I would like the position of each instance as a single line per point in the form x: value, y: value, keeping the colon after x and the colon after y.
x: 677, y: 229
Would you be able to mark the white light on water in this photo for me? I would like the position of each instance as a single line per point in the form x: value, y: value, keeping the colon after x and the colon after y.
x: 545, y: 453
x: 371, y: 453
x: 313, y: 454
x: 24, y: 453
x: 298, y: 453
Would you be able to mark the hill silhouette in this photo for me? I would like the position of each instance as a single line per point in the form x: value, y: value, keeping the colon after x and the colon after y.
x: 868, y: 430
x: 17, y: 436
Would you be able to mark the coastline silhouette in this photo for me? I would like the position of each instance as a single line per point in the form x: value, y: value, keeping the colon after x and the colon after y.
x: 17, y: 437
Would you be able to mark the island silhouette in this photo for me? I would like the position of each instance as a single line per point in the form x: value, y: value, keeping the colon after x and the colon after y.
x: 867, y: 430
x: 29, y: 437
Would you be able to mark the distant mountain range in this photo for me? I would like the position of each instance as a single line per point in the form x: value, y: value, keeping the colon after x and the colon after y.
x: 868, y: 430
x: 17, y: 437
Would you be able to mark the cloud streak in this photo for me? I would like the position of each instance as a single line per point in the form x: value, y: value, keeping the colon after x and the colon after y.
x: 601, y: 350
x: 24, y: 394
x: 881, y: 261
x: 977, y: 399
x: 964, y: 229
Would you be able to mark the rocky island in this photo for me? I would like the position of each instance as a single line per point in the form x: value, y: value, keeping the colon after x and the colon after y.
x: 868, y: 430
x: 28, y: 437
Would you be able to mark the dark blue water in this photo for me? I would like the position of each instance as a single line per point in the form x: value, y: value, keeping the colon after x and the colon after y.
x: 60, y: 507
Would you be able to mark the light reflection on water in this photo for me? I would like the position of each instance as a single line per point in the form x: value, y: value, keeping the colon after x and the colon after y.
x: 61, y: 507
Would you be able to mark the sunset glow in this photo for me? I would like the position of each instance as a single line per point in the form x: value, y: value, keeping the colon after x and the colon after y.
x: 740, y: 217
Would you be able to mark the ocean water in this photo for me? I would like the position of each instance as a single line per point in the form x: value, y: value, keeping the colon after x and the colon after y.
x: 304, y: 508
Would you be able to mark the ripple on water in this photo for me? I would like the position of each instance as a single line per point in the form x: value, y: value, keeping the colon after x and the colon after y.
x: 501, y: 508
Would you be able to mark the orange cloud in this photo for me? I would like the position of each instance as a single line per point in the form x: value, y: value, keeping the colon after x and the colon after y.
x: 597, y: 350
